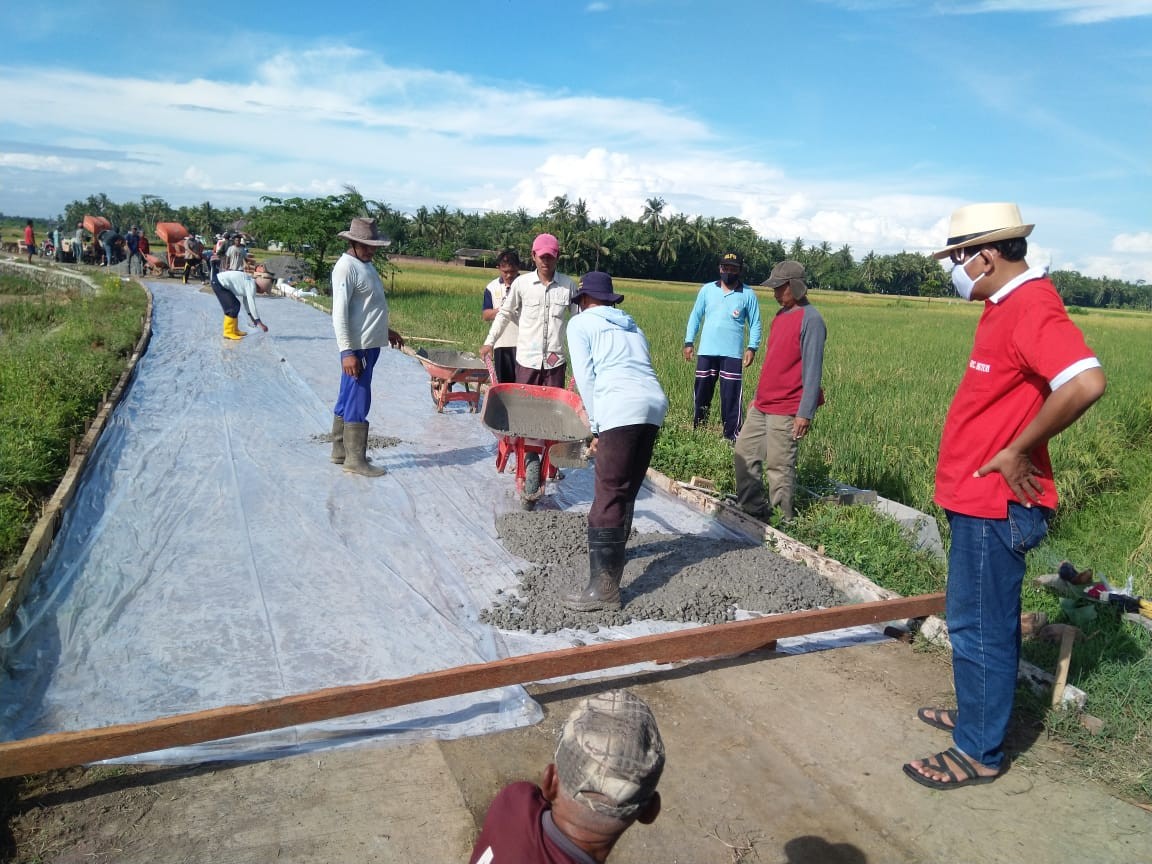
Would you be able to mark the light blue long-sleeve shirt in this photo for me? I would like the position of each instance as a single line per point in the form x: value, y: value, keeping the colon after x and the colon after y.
x: 613, y: 370
x: 724, y: 315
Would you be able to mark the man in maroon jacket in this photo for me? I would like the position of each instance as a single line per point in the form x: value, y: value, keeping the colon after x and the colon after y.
x: 786, y: 398
x: 608, y: 762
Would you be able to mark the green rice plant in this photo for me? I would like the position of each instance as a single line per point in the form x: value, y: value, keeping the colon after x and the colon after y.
x: 61, y: 352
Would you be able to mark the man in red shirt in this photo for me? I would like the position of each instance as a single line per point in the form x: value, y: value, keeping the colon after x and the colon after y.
x: 608, y: 762
x: 786, y: 398
x: 1030, y: 375
x: 29, y: 240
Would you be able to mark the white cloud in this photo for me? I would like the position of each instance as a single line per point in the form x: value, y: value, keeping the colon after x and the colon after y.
x: 597, y: 7
x: 1070, y: 11
x: 413, y: 136
x: 1140, y: 244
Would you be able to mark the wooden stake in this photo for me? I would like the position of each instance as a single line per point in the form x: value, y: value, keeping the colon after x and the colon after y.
x: 64, y: 749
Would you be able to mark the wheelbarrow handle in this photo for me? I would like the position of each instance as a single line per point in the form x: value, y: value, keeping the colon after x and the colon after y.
x: 491, y: 369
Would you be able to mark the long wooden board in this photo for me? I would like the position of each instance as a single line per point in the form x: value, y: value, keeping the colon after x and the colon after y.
x: 65, y: 749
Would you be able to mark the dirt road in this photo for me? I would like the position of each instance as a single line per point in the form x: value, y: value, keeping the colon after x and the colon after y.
x: 770, y: 759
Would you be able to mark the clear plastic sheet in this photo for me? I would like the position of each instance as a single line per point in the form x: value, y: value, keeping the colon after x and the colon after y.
x: 213, y: 555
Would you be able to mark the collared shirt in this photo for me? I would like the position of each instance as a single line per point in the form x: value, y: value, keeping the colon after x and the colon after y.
x: 542, y: 312
x: 724, y: 314
x: 1025, y: 347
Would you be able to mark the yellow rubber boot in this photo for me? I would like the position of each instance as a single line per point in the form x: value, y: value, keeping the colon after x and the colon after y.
x: 231, y: 330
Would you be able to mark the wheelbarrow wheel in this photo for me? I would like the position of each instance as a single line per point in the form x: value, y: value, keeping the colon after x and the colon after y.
x: 532, y: 478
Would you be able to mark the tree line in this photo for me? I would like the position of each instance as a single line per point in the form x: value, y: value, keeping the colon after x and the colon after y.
x: 657, y: 245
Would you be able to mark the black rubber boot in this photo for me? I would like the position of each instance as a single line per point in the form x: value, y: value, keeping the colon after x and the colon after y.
x: 337, y: 439
x: 629, y: 513
x: 356, y: 451
x: 607, y: 550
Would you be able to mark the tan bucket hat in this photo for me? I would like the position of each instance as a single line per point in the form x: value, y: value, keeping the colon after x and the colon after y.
x: 978, y: 224
x: 364, y: 231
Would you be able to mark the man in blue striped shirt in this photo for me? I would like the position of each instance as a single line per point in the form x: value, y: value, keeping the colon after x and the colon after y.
x: 725, y: 307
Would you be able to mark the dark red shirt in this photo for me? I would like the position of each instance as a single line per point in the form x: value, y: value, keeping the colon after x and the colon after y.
x: 519, y: 830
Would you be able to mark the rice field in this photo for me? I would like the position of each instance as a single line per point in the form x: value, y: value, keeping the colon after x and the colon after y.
x: 891, y: 368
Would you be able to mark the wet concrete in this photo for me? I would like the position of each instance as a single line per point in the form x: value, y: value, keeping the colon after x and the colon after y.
x: 667, y: 577
x: 375, y: 442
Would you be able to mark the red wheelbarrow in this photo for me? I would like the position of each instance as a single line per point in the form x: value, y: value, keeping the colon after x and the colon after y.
x: 543, y: 421
x: 448, y: 368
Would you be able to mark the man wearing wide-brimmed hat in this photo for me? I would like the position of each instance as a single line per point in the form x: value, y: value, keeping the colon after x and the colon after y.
x: 360, y: 319
x: 1030, y: 375
x: 626, y: 407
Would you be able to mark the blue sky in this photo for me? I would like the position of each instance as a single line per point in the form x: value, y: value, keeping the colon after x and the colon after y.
x: 858, y: 122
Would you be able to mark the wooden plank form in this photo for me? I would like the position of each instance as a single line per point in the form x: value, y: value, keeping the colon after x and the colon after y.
x: 64, y: 749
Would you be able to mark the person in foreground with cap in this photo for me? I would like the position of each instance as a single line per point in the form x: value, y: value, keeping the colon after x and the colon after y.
x: 504, y: 353
x: 726, y: 309
x: 786, y: 398
x: 626, y: 407
x: 233, y: 287
x: 539, y: 303
x: 608, y: 762
x: 1030, y: 375
x: 360, y: 319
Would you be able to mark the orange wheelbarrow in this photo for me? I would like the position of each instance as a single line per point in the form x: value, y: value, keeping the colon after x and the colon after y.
x: 543, y: 427
x: 447, y: 368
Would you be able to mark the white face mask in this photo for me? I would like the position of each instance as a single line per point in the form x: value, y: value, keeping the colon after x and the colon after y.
x: 962, y: 282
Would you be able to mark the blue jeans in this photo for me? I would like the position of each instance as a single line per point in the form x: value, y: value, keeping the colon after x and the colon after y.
x: 355, y: 397
x: 985, y: 572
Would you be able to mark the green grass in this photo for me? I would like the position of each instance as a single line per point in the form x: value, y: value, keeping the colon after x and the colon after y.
x: 60, y: 353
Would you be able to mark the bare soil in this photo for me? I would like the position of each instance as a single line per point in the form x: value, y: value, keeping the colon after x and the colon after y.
x: 771, y: 758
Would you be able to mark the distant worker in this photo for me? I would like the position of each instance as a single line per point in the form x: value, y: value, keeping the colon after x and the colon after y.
x: 1030, y: 375
x: 786, y: 398
x: 132, y: 242
x: 193, y: 252
x: 109, y: 240
x: 29, y: 240
x: 626, y: 407
x: 233, y: 287
x: 504, y: 353
x: 235, y: 255
x: 726, y: 307
x: 607, y: 765
x: 360, y: 319
x: 78, y: 243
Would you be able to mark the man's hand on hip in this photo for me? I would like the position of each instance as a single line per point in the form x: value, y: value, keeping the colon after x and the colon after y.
x: 1018, y: 472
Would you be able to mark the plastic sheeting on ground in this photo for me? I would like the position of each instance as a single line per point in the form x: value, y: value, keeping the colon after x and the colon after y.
x: 213, y: 555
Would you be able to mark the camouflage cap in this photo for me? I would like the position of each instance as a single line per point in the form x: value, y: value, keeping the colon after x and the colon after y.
x: 610, y: 754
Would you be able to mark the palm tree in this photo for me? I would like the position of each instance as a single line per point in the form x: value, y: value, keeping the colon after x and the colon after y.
x: 653, y: 215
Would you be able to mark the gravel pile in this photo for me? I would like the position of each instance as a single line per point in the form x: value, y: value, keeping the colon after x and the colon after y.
x: 667, y: 577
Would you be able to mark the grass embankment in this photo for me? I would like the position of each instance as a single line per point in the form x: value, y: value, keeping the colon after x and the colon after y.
x: 60, y: 352
x: 891, y: 368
